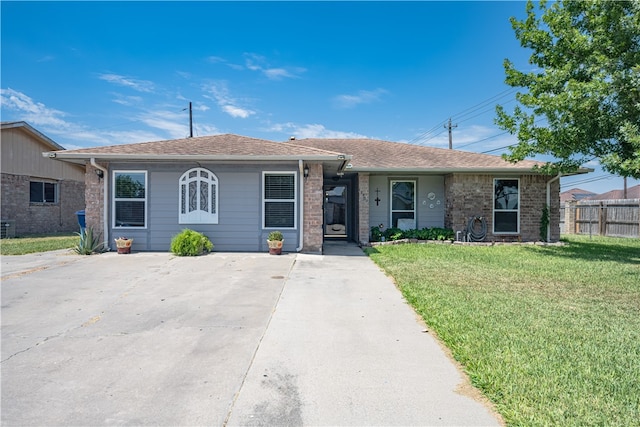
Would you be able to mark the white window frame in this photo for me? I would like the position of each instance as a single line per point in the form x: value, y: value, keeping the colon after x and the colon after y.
x: 145, y: 199
x: 295, y: 199
x: 198, y: 216
x: 415, y: 207
x: 516, y: 210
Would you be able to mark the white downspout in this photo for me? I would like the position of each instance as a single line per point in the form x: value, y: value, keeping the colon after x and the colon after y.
x: 301, y: 242
x: 549, y: 201
x: 105, y: 218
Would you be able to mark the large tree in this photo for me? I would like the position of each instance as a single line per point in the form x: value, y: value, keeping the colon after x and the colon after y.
x: 582, y: 97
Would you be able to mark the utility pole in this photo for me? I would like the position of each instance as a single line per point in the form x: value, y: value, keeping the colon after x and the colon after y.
x: 449, y: 126
x: 190, y: 121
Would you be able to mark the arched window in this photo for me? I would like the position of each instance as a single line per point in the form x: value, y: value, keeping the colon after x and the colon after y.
x: 198, y: 197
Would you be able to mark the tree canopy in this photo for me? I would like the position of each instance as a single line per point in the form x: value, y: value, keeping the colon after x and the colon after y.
x: 582, y: 97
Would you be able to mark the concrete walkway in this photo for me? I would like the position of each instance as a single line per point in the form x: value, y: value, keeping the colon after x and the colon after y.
x: 223, y: 339
x: 344, y: 348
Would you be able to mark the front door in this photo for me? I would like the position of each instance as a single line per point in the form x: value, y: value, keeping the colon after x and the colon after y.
x: 335, y: 211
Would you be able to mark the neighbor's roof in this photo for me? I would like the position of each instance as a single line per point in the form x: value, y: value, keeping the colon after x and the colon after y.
x: 375, y: 155
x: 26, y: 127
x: 216, y: 147
x: 632, y: 193
x: 575, y: 194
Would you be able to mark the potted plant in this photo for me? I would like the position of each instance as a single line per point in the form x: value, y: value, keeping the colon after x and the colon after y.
x: 123, y: 245
x: 275, y: 241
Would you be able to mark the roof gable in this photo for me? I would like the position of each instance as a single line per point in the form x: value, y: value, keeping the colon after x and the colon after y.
x: 34, y: 133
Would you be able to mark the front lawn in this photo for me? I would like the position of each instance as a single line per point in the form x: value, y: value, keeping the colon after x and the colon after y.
x: 32, y: 244
x: 551, y: 334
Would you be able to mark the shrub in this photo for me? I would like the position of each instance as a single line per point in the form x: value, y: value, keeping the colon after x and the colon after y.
x: 391, y: 234
x: 89, y: 244
x: 190, y: 243
x: 376, y: 234
x: 275, y: 235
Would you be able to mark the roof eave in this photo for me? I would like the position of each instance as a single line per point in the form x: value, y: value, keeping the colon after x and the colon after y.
x: 75, y: 157
x: 460, y: 170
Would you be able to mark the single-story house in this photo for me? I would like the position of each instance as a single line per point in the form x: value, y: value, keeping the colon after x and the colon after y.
x: 236, y: 189
x: 38, y: 195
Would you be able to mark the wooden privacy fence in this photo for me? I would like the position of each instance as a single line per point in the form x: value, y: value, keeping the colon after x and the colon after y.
x: 616, y: 218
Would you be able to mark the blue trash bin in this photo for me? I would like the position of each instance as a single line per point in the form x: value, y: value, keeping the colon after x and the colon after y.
x: 81, y: 221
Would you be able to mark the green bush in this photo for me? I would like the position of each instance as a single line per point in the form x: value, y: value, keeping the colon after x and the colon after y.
x: 89, y: 244
x: 190, y: 243
x: 393, y: 233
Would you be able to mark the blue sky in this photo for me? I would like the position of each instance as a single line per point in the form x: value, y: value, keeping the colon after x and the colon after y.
x: 101, y: 73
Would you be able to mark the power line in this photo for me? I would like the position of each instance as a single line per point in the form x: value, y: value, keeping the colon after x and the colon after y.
x: 587, y: 180
x: 463, y: 116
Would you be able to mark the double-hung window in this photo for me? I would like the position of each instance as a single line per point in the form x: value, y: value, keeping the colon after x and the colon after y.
x: 403, y: 204
x: 279, y: 199
x: 198, y: 197
x: 506, y: 206
x: 43, y: 192
x: 130, y: 199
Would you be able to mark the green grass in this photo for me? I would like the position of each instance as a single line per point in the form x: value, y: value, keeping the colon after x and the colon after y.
x: 33, y: 244
x: 550, y: 334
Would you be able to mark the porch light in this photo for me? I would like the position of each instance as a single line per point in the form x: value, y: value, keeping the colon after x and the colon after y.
x: 306, y: 171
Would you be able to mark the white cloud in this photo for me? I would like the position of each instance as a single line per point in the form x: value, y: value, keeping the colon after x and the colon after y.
x: 135, y: 84
x: 312, y: 131
x: 176, y: 124
x: 36, y: 113
x: 126, y: 100
x: 184, y: 74
x: 234, y: 111
x: 362, y: 97
x: 259, y: 63
x: 228, y: 104
x: 52, y: 123
x: 215, y: 59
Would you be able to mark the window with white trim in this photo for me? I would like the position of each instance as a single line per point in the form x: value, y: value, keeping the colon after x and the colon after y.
x: 506, y: 206
x: 198, y: 197
x: 403, y: 204
x: 130, y: 199
x: 43, y: 192
x: 279, y: 199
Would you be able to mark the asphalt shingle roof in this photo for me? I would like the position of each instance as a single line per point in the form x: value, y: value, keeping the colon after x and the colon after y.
x: 377, y: 154
x: 216, y: 145
x: 362, y: 154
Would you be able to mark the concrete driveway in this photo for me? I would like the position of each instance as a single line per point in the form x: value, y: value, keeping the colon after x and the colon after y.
x: 222, y: 339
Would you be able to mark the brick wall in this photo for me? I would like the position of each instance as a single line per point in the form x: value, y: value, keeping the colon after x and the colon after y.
x: 472, y: 195
x: 313, y: 221
x: 363, y: 208
x: 41, y: 218
x: 94, y: 191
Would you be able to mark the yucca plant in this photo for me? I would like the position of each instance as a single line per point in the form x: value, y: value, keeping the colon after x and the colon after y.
x: 89, y: 243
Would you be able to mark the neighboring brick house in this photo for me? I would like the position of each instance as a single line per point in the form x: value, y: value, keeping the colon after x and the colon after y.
x: 38, y: 195
x: 237, y: 189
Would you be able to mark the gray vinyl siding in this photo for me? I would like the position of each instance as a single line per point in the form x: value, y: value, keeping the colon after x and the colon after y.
x: 239, y: 227
x: 426, y: 215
